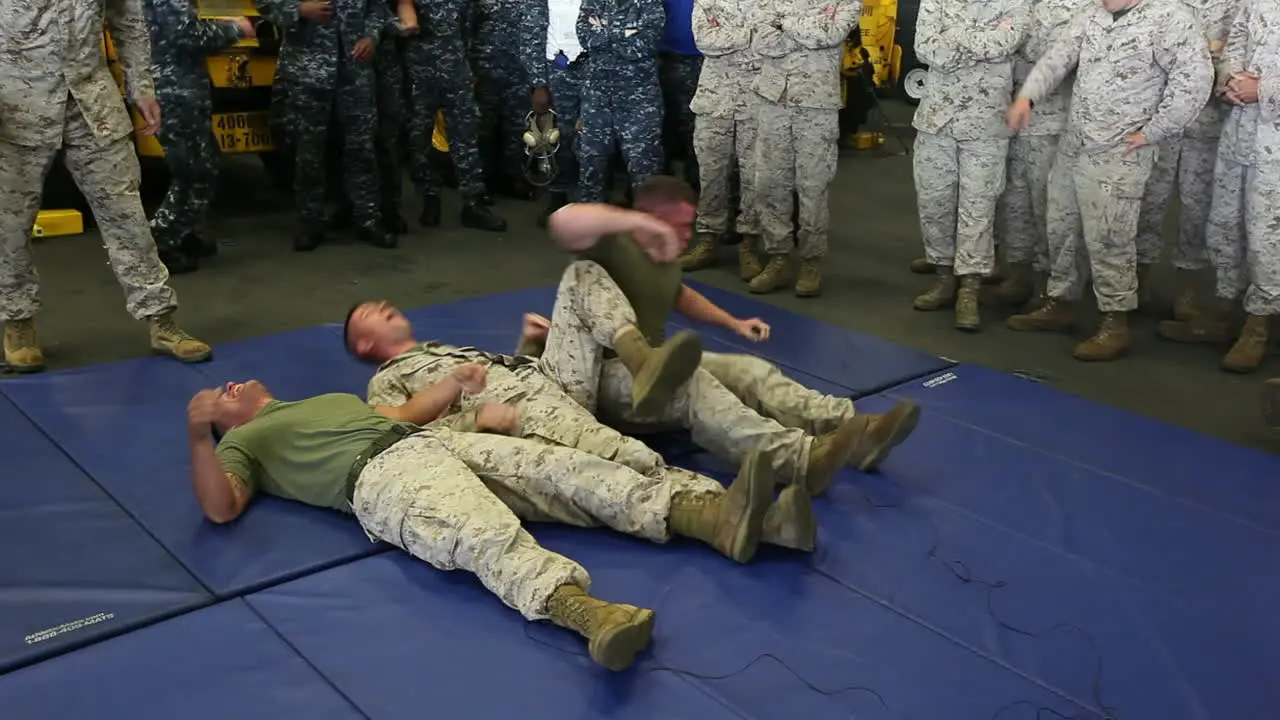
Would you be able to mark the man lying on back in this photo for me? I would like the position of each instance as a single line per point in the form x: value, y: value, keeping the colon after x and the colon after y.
x: 456, y: 499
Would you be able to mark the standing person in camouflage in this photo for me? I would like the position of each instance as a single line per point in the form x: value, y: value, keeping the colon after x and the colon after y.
x: 1186, y: 162
x: 679, y: 66
x: 1020, y: 214
x: 56, y: 92
x: 1142, y: 74
x: 621, y: 97
x: 327, y: 56
x: 554, y: 61
x: 725, y: 130
x: 180, y: 41
x: 456, y: 500
x: 802, y: 42
x: 440, y: 80
x: 1241, y: 238
x: 502, y: 93
x: 962, y: 142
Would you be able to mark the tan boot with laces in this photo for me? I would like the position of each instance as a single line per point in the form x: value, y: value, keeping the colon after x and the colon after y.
x: 1110, y: 342
x: 1250, y: 349
x: 702, y: 254
x: 942, y: 294
x: 731, y: 522
x: 809, y: 281
x: 615, y: 633
x: 169, y: 339
x: 749, y: 264
x: 772, y: 278
x: 22, y: 352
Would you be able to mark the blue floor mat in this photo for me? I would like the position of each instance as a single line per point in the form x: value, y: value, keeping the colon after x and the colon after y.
x: 125, y: 425
x: 294, y: 365
x: 213, y: 664
x: 863, y: 363
x: 771, y: 640
x: 74, y: 567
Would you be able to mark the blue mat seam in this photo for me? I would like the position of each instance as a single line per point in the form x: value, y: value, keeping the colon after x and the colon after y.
x: 378, y: 549
x: 1099, y: 471
x: 854, y: 589
x: 292, y: 648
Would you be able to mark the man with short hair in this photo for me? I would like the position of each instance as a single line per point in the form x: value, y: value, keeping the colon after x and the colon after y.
x: 456, y: 499
x: 56, y: 92
x: 616, y: 301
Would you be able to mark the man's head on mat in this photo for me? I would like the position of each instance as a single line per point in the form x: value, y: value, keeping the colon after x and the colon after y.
x: 672, y: 201
x: 376, y: 332
x: 237, y: 403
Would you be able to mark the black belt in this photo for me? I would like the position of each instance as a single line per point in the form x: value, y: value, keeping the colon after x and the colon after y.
x: 376, y: 448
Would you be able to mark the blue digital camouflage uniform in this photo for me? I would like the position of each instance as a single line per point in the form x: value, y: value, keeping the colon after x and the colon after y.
x: 328, y: 90
x: 556, y: 64
x: 679, y: 66
x: 180, y: 42
x: 440, y: 80
x: 389, y: 73
x: 502, y: 90
x: 621, y: 98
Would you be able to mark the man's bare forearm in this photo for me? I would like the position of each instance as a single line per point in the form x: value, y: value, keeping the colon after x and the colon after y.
x: 426, y: 406
x: 213, y: 489
x: 577, y: 227
x: 695, y: 306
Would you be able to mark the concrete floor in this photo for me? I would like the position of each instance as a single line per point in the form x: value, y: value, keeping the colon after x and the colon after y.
x: 257, y: 286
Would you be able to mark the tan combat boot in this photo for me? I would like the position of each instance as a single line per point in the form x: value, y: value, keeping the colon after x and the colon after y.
x: 730, y: 522
x: 1054, y: 316
x: 702, y: 254
x: 968, y: 316
x: 772, y: 278
x: 941, y: 294
x: 1271, y: 402
x: 883, y: 433
x: 169, y: 339
x: 21, y: 347
x: 1015, y: 289
x: 615, y: 633
x: 790, y: 522
x: 749, y: 265
x: 1219, y: 325
x: 1111, y: 341
x: 809, y: 282
x: 1184, y: 299
x: 922, y: 266
x: 1250, y: 348
x: 657, y: 373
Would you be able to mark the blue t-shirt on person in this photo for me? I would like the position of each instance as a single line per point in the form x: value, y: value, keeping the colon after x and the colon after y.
x: 677, y: 34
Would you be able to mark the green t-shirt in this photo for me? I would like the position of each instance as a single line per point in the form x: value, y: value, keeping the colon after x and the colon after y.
x: 303, y: 450
x: 653, y: 288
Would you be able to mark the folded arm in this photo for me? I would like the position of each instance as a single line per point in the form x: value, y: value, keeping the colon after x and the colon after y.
x: 935, y: 43
x: 177, y: 21
x: 283, y: 13
x: 426, y: 406
x: 593, y: 28
x: 717, y: 30
x: 637, y: 37
x: 828, y: 27
x: 1002, y: 39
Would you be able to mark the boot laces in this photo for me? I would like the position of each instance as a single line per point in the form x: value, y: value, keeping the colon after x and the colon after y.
x: 22, y: 333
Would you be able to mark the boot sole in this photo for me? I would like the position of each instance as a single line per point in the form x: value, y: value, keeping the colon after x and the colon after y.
x: 684, y: 356
x: 23, y: 369
x: 190, y: 360
x: 796, y: 509
x: 908, y: 416
x: 848, y: 433
x: 757, y: 474
x: 617, y: 647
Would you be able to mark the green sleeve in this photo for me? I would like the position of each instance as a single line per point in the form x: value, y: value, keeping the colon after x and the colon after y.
x: 603, y: 252
x: 236, y: 459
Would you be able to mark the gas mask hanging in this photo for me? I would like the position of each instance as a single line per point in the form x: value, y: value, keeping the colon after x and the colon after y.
x: 541, y: 141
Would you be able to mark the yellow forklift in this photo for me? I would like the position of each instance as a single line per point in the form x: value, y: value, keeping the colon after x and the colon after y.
x: 241, y: 77
x: 879, y: 61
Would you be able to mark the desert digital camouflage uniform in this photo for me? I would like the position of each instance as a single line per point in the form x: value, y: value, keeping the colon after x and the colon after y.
x: 57, y: 93
x: 180, y: 42
x: 589, y: 312
x: 1020, y: 213
x: 801, y: 43
x: 1145, y: 70
x: 1241, y: 232
x: 621, y: 97
x: 962, y: 141
x: 724, y: 129
x: 1186, y: 162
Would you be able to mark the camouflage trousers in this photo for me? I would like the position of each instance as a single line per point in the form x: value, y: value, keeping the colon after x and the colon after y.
x: 1185, y: 163
x: 457, y: 501
x: 1020, y: 213
x: 761, y: 386
x: 108, y: 176
x: 192, y: 155
x: 718, y: 142
x: 347, y: 116
x: 1243, y: 240
x: 566, y: 99
x: 796, y: 155
x: 1094, y: 201
x: 502, y: 96
x: 678, y: 77
x: 630, y: 121
x: 958, y: 183
x: 1224, y: 230
x: 589, y: 312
